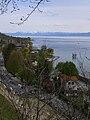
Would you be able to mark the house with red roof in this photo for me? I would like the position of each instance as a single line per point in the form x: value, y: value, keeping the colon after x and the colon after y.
x: 69, y: 83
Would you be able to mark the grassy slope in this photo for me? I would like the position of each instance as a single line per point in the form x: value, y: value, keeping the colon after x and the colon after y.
x: 7, y: 111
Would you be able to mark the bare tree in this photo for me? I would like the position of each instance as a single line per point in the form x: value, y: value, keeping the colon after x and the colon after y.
x: 33, y: 5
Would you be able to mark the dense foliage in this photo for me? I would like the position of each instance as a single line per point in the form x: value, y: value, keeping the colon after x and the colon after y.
x: 7, y: 51
x: 28, y: 64
x: 67, y: 68
x: 5, y: 39
x: 14, y: 62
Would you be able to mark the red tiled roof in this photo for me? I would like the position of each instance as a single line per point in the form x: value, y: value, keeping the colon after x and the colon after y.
x: 64, y: 77
x: 73, y: 78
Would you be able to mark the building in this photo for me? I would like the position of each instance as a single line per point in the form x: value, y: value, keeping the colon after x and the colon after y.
x: 69, y: 84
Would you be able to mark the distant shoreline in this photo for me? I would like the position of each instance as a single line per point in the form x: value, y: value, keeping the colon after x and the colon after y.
x: 49, y: 34
x: 76, y: 37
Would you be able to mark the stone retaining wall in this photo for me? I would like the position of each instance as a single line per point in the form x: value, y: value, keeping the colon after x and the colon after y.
x: 28, y: 107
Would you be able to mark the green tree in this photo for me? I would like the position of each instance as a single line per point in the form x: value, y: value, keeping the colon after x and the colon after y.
x: 27, y: 75
x: 6, y: 52
x: 19, y: 63
x: 50, y: 52
x: 44, y: 63
x: 67, y: 68
x: 14, y: 62
x: 60, y: 66
x: 25, y: 52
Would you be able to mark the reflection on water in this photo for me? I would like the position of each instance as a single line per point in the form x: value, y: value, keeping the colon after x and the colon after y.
x: 66, y: 46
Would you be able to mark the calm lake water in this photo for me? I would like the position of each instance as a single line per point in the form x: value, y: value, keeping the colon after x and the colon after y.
x: 64, y: 47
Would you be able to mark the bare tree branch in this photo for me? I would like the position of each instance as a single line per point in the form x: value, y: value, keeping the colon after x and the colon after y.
x: 28, y: 15
x: 34, y: 4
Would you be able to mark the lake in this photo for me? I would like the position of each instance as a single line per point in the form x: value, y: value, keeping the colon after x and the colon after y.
x: 64, y: 47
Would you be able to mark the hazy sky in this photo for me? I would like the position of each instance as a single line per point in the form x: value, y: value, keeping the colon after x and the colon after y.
x: 57, y: 15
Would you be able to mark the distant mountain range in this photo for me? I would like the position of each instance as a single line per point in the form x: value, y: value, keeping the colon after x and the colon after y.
x: 49, y: 34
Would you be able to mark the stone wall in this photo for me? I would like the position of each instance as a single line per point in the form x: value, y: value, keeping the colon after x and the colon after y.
x: 28, y: 107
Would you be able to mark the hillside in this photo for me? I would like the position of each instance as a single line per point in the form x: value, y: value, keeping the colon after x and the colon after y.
x: 4, y: 37
x: 7, y: 111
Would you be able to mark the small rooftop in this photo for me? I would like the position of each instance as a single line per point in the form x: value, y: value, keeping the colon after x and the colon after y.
x: 66, y: 78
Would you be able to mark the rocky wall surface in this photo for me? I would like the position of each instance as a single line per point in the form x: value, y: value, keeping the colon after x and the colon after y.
x: 28, y: 107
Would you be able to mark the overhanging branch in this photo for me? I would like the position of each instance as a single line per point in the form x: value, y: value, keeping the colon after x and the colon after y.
x: 33, y: 4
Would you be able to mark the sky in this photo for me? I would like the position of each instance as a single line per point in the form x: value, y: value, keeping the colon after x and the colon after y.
x: 57, y: 16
